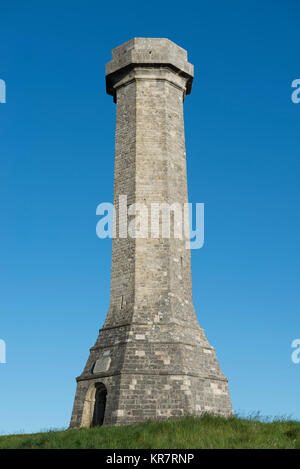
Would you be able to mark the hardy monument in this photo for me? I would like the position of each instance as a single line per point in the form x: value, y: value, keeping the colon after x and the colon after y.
x: 151, y: 359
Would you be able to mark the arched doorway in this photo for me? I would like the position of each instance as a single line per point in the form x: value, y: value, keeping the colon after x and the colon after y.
x: 100, y: 403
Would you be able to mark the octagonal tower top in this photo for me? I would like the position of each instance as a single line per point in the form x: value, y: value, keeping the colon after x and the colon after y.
x: 148, y: 52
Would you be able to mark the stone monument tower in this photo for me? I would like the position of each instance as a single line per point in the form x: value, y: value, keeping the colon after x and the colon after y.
x: 151, y: 359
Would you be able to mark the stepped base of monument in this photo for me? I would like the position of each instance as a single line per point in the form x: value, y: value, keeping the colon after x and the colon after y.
x: 130, y: 398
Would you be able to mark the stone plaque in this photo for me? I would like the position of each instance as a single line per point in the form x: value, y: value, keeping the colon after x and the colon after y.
x: 102, y: 364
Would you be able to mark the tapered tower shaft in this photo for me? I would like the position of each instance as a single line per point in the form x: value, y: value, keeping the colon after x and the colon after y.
x: 151, y: 359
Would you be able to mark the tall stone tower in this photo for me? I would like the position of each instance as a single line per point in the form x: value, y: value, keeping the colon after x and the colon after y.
x: 151, y: 359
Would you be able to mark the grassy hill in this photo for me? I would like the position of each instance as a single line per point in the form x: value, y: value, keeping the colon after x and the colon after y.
x: 185, y: 433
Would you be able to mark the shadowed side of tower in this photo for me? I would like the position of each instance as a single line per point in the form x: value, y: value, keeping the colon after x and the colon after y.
x: 151, y: 359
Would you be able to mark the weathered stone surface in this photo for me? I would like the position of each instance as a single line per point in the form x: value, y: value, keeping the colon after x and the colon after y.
x: 151, y: 354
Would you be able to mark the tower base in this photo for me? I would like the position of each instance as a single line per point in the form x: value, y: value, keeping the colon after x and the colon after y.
x: 158, y: 380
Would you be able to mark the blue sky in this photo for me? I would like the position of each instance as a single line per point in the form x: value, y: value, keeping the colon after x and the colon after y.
x: 56, y: 166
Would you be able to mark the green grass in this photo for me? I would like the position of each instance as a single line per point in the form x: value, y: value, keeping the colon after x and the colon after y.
x: 188, y: 432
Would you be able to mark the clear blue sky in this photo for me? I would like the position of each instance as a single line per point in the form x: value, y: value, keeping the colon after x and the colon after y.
x: 57, y: 156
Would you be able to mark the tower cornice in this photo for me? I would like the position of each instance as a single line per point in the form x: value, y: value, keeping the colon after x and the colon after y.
x: 148, y: 53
